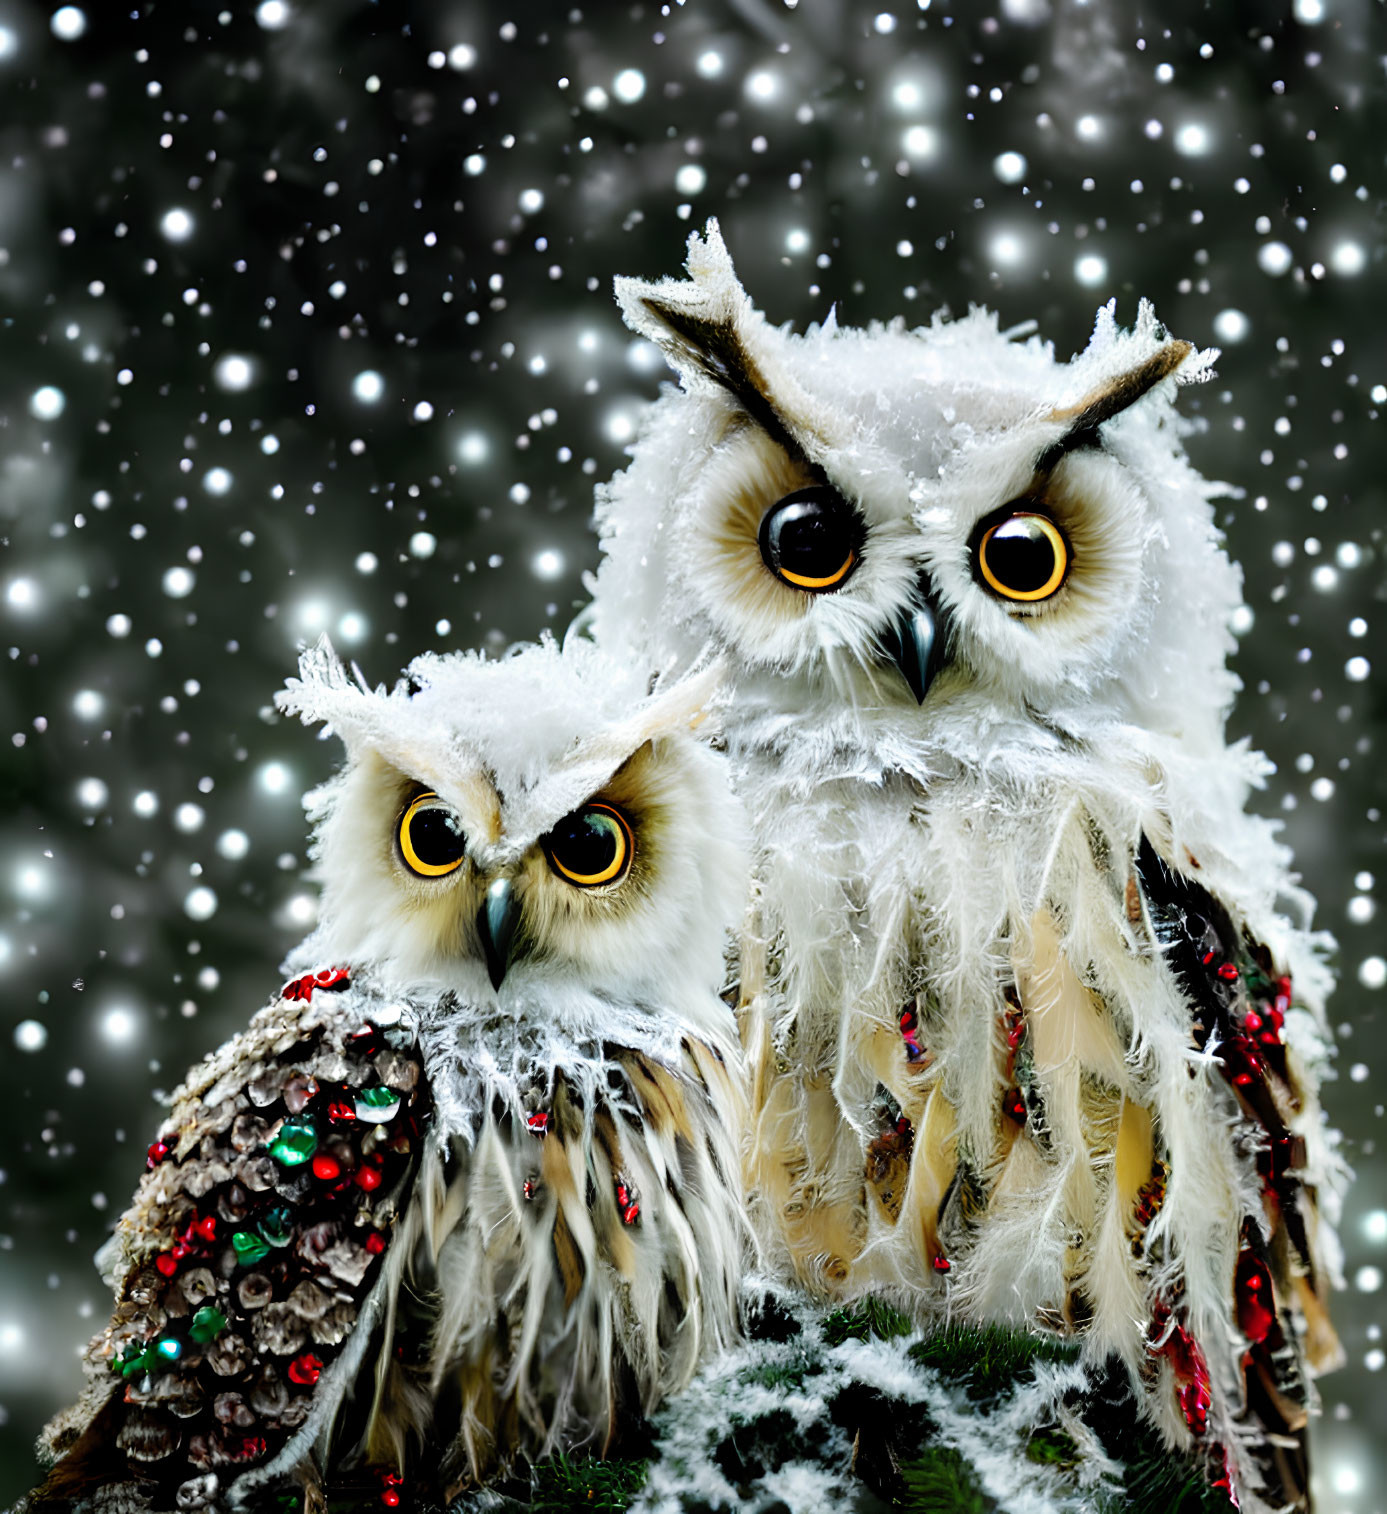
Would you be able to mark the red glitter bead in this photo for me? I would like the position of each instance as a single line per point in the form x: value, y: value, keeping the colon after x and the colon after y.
x: 305, y: 1370
x: 941, y: 1264
x: 368, y: 1178
x: 390, y: 1498
x: 1252, y: 1020
x: 538, y: 1122
x: 206, y: 1228
x: 167, y: 1263
x: 326, y: 1167
x: 1228, y: 972
x: 1256, y: 1302
x: 1193, y: 1390
x: 1014, y: 1106
x: 392, y: 1480
x: 178, y: 1251
x: 340, y: 1113
x: 156, y: 1154
x: 375, y: 1243
x: 251, y: 1447
x: 333, y: 977
x: 630, y: 1214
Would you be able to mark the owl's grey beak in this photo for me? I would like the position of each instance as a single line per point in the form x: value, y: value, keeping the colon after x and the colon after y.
x: 496, y: 924
x: 917, y: 641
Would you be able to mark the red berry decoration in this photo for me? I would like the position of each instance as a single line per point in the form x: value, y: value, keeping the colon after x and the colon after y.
x: 167, y: 1263
x: 368, y: 1178
x: 538, y: 1122
x: 305, y: 1370
x: 156, y: 1154
x: 325, y: 1167
x: 941, y: 1263
x: 375, y: 1243
x: 206, y: 1228
x: 627, y: 1203
x: 340, y: 1113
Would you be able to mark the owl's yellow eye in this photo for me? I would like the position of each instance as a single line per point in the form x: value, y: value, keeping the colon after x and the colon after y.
x: 1023, y: 557
x: 591, y: 846
x: 430, y: 838
x: 811, y: 540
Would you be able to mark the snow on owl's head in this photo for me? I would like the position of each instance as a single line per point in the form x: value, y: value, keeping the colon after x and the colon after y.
x: 511, y: 825
x: 946, y: 514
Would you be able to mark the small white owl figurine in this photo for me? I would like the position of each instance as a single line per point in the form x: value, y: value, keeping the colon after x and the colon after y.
x: 467, y: 1191
x: 1031, y: 1041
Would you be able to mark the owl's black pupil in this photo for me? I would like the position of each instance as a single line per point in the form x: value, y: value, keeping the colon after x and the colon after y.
x: 434, y: 835
x: 585, y: 843
x: 809, y: 533
x: 1021, y: 555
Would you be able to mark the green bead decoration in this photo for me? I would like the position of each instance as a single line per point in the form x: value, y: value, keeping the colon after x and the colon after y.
x: 277, y: 1225
x: 249, y: 1247
x: 134, y: 1359
x: 296, y: 1142
x: 208, y: 1323
x: 377, y: 1105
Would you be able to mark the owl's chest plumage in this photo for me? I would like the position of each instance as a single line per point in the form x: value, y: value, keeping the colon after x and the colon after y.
x: 583, y: 1196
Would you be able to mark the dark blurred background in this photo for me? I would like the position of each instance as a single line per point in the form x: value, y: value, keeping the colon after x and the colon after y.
x: 305, y: 325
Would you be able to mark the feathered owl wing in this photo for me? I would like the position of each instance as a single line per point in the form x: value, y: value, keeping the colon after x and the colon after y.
x: 1244, y: 1014
x: 583, y: 1240
x: 248, y: 1271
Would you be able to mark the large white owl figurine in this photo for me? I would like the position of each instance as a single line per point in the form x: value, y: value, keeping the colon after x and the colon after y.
x: 1031, y: 1039
x: 467, y: 1191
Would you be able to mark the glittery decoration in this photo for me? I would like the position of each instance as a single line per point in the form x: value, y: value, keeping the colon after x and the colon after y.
x: 538, y: 1123
x: 208, y: 1324
x: 305, y: 1370
x: 1193, y: 1388
x: 368, y: 1178
x: 134, y: 1360
x: 326, y: 1168
x: 910, y: 1033
x: 1256, y: 1301
x: 170, y: 1348
x: 377, y: 1105
x: 1014, y: 1106
x: 341, y: 1113
x: 332, y: 978
x: 167, y: 1263
x: 375, y: 1243
x: 529, y: 1188
x: 249, y: 1247
x: 277, y: 1225
x: 295, y: 1144
x: 627, y: 1202
x: 941, y: 1264
x: 156, y: 1154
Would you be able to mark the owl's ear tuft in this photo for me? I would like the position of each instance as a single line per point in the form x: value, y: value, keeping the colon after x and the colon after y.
x: 696, y: 323
x: 326, y: 692
x: 714, y: 338
x: 1116, y: 393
